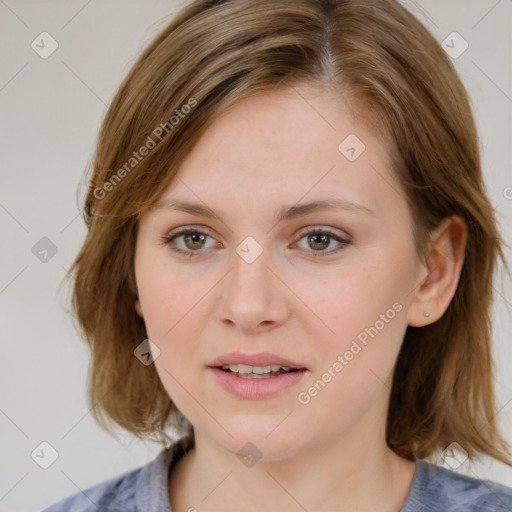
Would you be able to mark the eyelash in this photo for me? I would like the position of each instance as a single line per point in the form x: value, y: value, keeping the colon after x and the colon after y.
x: 168, y: 239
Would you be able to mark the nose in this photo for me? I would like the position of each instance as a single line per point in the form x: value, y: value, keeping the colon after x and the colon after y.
x: 252, y: 298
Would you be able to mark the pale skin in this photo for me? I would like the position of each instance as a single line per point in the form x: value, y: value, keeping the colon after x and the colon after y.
x: 279, y: 149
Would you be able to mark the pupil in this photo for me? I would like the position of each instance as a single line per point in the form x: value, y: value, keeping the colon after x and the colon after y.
x: 196, y: 238
x: 319, y: 238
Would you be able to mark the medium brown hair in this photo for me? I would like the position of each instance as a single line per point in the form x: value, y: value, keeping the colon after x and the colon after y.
x: 211, y: 55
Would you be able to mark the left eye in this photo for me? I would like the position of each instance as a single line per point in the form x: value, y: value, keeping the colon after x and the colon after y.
x: 319, y: 239
x: 194, y: 240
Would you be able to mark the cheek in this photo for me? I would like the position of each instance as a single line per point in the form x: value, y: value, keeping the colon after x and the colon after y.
x: 350, y: 302
x: 174, y: 316
x: 356, y: 364
x: 169, y: 297
x: 365, y: 312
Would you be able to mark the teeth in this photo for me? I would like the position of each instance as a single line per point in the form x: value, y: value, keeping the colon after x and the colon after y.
x: 244, y: 369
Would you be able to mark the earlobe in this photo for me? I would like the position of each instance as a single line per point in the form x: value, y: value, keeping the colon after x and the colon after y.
x: 421, y: 312
x: 138, y: 308
x: 444, y: 266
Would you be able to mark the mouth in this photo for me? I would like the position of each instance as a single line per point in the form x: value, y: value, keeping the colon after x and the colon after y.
x: 256, y: 376
x: 245, y: 371
x: 255, y: 366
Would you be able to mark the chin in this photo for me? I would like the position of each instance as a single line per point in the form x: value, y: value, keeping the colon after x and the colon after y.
x: 262, y: 440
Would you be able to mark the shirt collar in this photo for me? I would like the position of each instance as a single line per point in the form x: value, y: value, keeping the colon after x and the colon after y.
x: 152, y: 488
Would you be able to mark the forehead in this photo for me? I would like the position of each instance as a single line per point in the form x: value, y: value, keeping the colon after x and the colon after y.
x: 282, y: 145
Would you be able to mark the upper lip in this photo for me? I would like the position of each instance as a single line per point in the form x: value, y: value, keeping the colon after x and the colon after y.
x: 257, y: 359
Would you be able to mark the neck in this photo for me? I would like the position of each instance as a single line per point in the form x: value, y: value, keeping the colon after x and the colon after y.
x: 354, y: 471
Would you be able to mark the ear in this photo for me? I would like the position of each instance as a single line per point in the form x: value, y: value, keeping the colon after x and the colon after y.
x: 138, y: 308
x: 443, y: 267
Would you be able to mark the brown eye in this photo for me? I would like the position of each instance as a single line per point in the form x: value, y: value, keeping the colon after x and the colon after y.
x: 194, y: 241
x: 318, y: 240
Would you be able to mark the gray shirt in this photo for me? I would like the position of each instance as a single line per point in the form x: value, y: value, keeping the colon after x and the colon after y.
x: 145, y: 489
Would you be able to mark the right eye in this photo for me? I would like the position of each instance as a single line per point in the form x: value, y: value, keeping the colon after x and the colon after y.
x: 193, y: 239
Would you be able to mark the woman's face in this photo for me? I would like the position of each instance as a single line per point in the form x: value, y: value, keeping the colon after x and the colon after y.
x: 255, y: 280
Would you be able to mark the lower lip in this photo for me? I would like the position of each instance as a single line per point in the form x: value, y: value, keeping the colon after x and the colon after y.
x: 256, y: 388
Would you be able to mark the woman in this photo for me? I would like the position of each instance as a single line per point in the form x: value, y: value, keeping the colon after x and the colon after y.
x: 289, y: 259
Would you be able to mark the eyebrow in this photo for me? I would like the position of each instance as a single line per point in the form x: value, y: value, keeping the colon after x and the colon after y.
x: 282, y: 214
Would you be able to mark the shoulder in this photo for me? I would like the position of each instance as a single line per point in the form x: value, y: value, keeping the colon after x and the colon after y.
x: 141, y: 489
x: 117, y: 493
x: 436, y: 488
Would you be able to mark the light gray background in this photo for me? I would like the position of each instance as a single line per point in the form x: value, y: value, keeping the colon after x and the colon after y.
x: 51, y: 110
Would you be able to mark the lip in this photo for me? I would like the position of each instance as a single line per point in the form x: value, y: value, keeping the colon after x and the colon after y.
x: 256, y: 389
x: 257, y: 359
